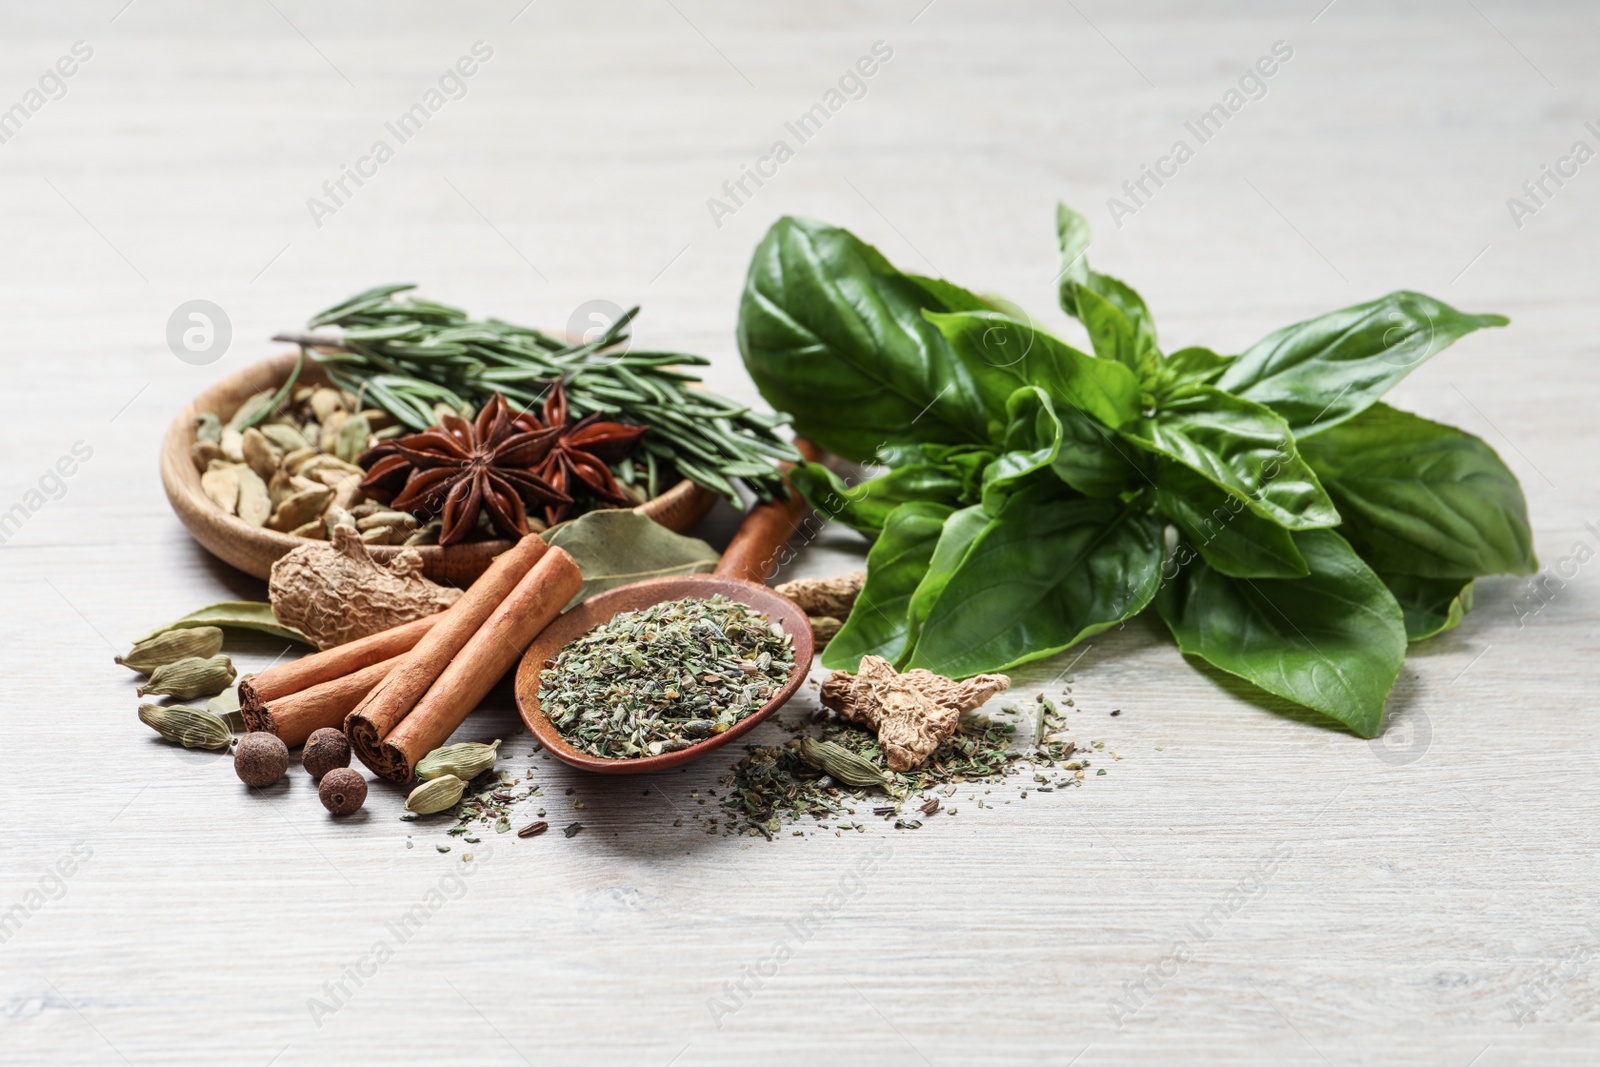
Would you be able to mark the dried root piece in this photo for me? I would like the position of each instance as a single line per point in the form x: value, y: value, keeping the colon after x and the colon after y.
x: 831, y: 597
x: 337, y: 592
x: 911, y: 712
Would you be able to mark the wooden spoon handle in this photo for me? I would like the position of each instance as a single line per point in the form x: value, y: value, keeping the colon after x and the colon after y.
x: 756, y: 551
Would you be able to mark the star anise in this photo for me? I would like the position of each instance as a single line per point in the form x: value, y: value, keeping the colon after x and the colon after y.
x: 582, y: 455
x: 460, y: 468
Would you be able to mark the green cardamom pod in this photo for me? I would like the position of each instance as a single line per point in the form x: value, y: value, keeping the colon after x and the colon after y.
x: 208, y: 428
x: 839, y: 762
x: 435, y: 795
x: 189, y: 678
x: 171, y: 646
x: 189, y: 727
x: 466, y: 761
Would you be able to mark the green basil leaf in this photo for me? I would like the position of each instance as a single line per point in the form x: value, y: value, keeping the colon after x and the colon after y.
x: 1119, y: 324
x: 1190, y: 367
x: 951, y: 296
x: 1095, y: 461
x: 1243, y: 448
x: 1430, y: 605
x: 878, y: 624
x: 1044, y: 573
x: 1003, y: 353
x: 1333, y: 641
x: 1232, y: 538
x: 1320, y: 372
x: 1032, y: 442
x: 1113, y: 336
x: 960, y: 531
x: 833, y: 334
x: 865, y: 507
x: 1422, y: 498
x: 1072, y: 236
x: 1076, y: 448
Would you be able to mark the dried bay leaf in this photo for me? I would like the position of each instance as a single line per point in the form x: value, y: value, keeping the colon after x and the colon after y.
x: 615, y: 546
x: 236, y: 614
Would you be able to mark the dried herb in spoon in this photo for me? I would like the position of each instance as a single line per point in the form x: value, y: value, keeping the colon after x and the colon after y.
x: 664, y: 678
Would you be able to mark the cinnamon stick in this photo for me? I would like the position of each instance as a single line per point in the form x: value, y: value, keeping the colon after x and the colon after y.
x: 295, y: 716
x: 274, y: 683
x: 394, y: 697
x: 478, y: 668
x: 755, y: 553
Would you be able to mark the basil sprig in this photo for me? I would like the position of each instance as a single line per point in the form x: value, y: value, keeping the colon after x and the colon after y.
x: 1030, y: 485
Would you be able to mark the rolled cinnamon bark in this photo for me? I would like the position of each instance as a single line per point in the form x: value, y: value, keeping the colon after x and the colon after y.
x: 295, y: 716
x: 393, y: 698
x: 479, y: 666
x: 274, y: 683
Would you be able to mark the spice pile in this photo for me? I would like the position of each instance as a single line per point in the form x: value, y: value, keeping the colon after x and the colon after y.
x: 412, y: 356
x: 286, y: 461
x: 775, y: 787
x: 663, y: 678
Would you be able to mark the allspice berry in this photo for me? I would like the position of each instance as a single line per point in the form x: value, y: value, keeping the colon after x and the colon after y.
x: 342, y: 791
x: 261, y: 759
x: 326, y: 749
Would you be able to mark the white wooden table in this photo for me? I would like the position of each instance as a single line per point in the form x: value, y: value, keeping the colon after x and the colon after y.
x: 1240, y: 887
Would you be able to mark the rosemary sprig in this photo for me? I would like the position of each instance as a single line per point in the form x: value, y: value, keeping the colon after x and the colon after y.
x: 407, y: 355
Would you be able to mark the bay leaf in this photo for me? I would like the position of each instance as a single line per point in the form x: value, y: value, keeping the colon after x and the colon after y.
x: 238, y: 614
x: 615, y: 546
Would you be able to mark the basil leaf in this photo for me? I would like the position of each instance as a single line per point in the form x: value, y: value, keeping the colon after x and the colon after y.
x: 1430, y: 605
x: 1095, y: 461
x: 1032, y: 441
x: 1333, y: 641
x: 878, y: 624
x: 833, y: 334
x: 1003, y: 353
x: 1243, y: 448
x: 951, y: 296
x: 1422, y: 498
x: 1190, y: 367
x: 960, y: 531
x: 1043, y: 574
x: 1320, y: 372
x: 865, y: 507
x: 1113, y: 336
x: 1232, y: 538
x: 1072, y: 235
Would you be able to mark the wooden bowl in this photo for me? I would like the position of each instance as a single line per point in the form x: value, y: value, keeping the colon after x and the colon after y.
x: 601, y: 608
x: 254, y: 549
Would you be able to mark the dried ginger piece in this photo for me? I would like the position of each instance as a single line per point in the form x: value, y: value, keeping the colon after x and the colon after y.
x: 337, y: 592
x: 911, y: 712
x: 828, y: 597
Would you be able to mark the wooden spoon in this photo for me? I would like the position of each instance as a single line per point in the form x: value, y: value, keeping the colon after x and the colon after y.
x: 602, y: 608
x: 750, y: 557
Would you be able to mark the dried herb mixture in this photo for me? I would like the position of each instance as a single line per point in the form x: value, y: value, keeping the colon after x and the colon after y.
x: 663, y: 678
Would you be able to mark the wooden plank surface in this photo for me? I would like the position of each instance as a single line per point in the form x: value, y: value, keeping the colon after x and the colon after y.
x: 1241, y: 886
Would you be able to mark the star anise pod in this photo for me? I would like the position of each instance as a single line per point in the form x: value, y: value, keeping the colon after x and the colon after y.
x: 460, y: 468
x: 581, y: 458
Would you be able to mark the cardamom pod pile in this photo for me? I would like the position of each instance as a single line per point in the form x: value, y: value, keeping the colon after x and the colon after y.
x: 288, y: 464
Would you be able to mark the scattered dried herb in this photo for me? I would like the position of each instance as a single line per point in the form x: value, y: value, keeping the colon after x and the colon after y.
x: 775, y: 786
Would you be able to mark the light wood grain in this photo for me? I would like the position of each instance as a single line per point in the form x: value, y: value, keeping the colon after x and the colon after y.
x: 1421, y: 898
